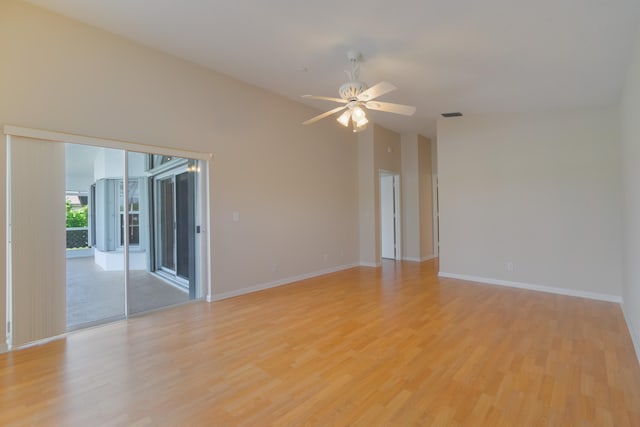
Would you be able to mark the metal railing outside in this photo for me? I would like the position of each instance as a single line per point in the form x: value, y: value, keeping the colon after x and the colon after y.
x: 77, y: 238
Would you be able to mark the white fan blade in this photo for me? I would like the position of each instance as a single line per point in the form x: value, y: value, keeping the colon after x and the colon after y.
x: 323, y: 115
x: 375, y: 91
x: 388, y: 107
x: 327, y: 98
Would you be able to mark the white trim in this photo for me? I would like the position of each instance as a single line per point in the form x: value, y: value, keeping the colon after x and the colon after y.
x: 539, y: 288
x: 369, y: 264
x: 41, y: 342
x: 397, y: 215
x: 3, y: 348
x: 269, y: 285
x: 206, y: 233
x: 397, y: 223
x: 125, y: 231
x: 8, y: 324
x: 102, y: 142
x: 635, y: 339
x: 423, y: 259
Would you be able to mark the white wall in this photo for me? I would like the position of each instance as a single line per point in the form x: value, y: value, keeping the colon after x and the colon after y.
x: 294, y: 186
x: 631, y: 183
x: 108, y: 163
x: 540, y: 191
x: 78, y: 183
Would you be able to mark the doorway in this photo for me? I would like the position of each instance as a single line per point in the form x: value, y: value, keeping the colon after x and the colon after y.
x: 119, y: 257
x: 106, y: 272
x: 390, y: 215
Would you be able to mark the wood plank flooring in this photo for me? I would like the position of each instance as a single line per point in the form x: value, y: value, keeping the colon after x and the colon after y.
x: 364, y: 347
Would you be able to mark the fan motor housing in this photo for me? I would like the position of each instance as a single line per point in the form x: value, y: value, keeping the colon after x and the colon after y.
x: 351, y: 90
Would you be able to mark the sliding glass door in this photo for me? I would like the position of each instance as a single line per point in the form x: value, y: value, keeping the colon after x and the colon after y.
x: 97, y: 233
x: 162, y: 220
x: 166, y: 219
x: 185, y: 225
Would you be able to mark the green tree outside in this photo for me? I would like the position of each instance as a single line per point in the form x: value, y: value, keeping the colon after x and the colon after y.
x: 77, y: 217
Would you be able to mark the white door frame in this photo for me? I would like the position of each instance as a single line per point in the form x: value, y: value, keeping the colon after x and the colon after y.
x: 396, y: 201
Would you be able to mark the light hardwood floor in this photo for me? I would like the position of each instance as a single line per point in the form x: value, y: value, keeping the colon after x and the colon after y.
x: 365, y: 347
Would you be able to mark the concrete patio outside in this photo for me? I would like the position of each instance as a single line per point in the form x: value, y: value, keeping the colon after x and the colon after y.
x: 95, y: 295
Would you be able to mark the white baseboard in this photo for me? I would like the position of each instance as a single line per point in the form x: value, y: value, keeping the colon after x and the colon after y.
x: 40, y: 342
x: 369, y: 264
x: 635, y: 339
x: 274, y: 284
x: 540, y: 288
x: 4, y: 348
x: 423, y: 259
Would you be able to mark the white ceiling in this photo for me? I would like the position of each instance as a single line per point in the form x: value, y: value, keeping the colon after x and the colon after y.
x: 444, y: 55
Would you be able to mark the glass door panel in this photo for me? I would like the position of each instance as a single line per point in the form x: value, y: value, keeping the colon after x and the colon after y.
x: 184, y: 223
x: 161, y: 221
x: 166, y: 216
x: 95, y: 279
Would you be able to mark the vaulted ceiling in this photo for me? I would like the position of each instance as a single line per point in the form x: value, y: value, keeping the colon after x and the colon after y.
x: 464, y: 55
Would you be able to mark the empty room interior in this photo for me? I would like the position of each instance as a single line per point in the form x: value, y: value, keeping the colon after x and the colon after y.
x: 334, y: 214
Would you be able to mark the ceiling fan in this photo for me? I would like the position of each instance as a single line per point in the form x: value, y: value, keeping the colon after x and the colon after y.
x: 354, y: 95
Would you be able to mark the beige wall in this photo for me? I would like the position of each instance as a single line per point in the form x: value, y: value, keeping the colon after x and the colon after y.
x: 387, y: 150
x: 630, y: 113
x: 367, y: 176
x: 434, y: 189
x: 541, y: 191
x: 425, y: 198
x: 410, y: 213
x: 417, y: 200
x: 378, y: 149
x: 294, y: 186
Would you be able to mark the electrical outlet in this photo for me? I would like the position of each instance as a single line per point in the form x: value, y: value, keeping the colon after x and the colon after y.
x: 509, y: 266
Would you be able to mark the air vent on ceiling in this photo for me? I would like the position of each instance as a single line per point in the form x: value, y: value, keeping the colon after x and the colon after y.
x: 456, y: 114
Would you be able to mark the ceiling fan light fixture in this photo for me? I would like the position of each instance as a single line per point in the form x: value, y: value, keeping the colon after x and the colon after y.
x: 351, y: 89
x: 357, y: 128
x: 344, y: 118
x: 354, y: 95
x: 357, y: 114
x: 361, y: 122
